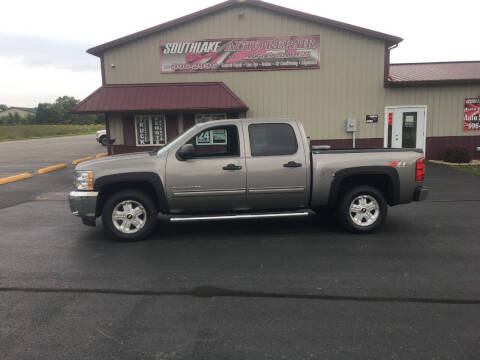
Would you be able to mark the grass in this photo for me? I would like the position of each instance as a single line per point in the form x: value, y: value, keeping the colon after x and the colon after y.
x: 21, y: 132
x: 472, y: 169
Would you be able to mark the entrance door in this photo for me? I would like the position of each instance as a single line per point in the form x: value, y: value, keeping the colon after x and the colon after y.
x: 405, y: 127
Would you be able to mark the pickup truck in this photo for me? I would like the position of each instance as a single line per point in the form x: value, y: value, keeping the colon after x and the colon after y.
x: 241, y: 169
x: 101, y: 136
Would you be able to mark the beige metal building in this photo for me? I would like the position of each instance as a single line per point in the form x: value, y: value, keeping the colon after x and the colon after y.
x: 248, y: 58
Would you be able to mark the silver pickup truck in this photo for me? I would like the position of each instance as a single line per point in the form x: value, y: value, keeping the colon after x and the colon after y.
x: 241, y: 169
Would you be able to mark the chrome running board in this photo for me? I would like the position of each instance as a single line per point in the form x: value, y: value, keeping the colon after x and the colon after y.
x: 239, y: 216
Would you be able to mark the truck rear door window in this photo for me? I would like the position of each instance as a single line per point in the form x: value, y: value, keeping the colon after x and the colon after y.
x: 272, y: 139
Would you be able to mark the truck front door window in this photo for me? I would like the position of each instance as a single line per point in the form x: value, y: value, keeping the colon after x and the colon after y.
x: 216, y: 141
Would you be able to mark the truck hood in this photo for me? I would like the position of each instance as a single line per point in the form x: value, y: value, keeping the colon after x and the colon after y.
x: 115, y: 160
x: 125, y: 163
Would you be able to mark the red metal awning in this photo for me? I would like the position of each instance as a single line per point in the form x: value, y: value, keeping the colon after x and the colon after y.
x: 160, y: 97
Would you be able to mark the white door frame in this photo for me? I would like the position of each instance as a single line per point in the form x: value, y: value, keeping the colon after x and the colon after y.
x: 385, y: 126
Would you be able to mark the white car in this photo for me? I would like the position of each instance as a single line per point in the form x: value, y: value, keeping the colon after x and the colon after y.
x: 101, y: 137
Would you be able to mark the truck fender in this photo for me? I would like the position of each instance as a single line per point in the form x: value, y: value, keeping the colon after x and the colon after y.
x: 152, y: 178
x: 343, y: 174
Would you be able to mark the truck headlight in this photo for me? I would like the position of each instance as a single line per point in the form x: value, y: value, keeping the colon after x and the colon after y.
x: 83, y: 180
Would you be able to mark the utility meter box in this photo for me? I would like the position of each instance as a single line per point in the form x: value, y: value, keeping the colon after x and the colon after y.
x: 351, y: 125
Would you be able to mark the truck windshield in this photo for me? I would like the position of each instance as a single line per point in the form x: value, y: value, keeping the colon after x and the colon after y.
x: 185, y: 136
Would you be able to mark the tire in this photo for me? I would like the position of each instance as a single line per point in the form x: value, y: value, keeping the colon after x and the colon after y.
x: 128, y: 201
x: 362, y: 209
x: 103, y: 140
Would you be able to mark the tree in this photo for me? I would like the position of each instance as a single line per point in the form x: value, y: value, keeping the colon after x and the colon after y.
x: 56, y: 113
x: 46, y: 114
x: 3, y: 107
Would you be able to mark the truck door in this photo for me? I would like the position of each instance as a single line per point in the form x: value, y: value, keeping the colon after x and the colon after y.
x: 214, y: 180
x: 276, y: 165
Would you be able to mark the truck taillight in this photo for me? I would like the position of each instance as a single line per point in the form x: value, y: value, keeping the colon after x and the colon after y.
x: 420, y: 170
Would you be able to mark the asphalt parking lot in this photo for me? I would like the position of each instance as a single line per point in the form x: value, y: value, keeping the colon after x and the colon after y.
x: 270, y: 289
x: 30, y: 155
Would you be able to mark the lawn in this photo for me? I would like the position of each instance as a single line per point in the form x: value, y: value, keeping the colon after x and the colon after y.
x: 20, y: 132
x: 472, y: 169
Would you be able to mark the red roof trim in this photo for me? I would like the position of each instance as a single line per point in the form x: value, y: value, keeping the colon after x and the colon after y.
x: 233, y: 103
x: 98, y: 50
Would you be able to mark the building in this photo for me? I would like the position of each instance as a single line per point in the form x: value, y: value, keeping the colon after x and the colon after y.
x: 22, y: 112
x: 248, y: 58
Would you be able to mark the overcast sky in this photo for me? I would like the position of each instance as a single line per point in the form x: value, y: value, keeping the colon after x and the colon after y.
x: 43, y: 43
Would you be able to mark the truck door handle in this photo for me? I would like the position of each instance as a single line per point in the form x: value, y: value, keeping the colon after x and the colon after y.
x: 292, y: 164
x: 232, y: 167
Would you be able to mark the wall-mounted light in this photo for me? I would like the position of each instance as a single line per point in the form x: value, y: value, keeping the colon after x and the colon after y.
x: 113, y: 65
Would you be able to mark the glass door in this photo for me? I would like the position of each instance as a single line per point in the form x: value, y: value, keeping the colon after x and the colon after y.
x: 405, y: 127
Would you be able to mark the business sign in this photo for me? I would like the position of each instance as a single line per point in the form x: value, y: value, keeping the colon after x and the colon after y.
x: 369, y: 119
x: 241, y: 54
x: 471, y: 114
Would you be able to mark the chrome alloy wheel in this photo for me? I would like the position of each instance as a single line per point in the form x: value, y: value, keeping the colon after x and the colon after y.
x: 129, y: 216
x: 364, y: 210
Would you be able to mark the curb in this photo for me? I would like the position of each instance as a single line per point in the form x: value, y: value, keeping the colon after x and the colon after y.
x: 51, y: 168
x: 13, y: 178
x: 441, y: 162
x: 101, y: 155
x: 78, y: 161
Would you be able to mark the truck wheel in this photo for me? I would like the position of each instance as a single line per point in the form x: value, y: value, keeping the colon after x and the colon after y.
x: 129, y: 215
x: 103, y: 140
x: 362, y: 209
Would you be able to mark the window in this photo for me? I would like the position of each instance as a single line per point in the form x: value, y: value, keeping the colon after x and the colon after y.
x: 150, y: 130
x: 201, y: 118
x: 272, y: 139
x: 216, y: 141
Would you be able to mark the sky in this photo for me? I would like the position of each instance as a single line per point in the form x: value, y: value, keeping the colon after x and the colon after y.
x: 43, y: 43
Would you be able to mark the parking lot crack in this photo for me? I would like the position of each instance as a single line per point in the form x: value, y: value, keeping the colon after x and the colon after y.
x: 213, y: 291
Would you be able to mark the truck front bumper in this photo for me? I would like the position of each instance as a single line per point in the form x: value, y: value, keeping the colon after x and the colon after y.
x: 83, y: 204
x: 421, y: 193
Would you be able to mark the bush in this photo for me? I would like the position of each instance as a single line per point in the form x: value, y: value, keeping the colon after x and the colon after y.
x: 457, y: 154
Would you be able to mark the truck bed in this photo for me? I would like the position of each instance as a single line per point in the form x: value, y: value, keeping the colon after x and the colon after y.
x: 363, y: 150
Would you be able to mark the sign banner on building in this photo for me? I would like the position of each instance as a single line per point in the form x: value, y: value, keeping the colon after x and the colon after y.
x: 471, y: 115
x: 241, y: 54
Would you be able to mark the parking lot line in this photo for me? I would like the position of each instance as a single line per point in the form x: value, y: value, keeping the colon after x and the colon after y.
x: 78, y: 161
x: 9, y: 179
x: 101, y: 155
x: 51, y: 168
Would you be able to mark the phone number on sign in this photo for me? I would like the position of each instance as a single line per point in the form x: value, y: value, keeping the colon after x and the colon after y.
x: 472, y: 126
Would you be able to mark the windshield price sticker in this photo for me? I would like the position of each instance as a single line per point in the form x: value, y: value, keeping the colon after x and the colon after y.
x: 212, y: 137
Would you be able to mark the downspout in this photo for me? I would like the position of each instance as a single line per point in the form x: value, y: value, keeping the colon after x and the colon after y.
x: 386, y: 71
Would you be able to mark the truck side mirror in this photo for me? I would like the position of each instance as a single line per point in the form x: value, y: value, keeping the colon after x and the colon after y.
x: 186, y: 151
